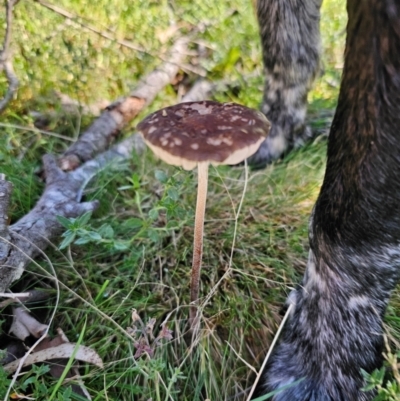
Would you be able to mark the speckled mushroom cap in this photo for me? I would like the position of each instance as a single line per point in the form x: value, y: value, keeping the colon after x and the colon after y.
x: 207, y: 131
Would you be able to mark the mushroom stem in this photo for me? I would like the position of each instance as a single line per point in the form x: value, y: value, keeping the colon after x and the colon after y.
x: 198, y: 239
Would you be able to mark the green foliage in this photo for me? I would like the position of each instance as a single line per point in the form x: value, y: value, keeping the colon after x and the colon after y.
x: 387, y: 389
x: 165, y: 216
x: 4, y: 380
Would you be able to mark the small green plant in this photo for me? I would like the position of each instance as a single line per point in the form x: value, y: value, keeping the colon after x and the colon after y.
x: 77, y: 230
x: 385, y: 382
x: 32, y: 384
x: 80, y: 232
x: 4, y: 380
x: 164, y: 216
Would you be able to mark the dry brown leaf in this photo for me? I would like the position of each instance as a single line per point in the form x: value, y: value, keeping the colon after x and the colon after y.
x: 84, y: 354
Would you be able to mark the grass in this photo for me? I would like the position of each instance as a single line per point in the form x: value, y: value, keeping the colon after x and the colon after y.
x: 139, y: 256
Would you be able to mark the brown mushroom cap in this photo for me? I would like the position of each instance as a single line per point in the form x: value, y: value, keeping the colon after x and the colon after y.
x: 207, y: 131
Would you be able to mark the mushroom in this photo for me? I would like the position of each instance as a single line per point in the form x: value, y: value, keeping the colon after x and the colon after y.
x: 196, y: 134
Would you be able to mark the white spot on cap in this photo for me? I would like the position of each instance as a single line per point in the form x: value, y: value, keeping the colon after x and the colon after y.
x: 201, y: 108
x: 164, y: 113
x: 180, y: 113
x: 227, y: 141
x: 152, y: 129
x: 178, y: 142
x: 223, y: 127
x: 194, y: 146
x: 214, y: 141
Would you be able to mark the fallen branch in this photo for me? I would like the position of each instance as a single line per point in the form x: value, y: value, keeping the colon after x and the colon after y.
x: 117, y: 115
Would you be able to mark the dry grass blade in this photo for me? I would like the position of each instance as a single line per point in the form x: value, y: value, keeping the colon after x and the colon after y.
x: 291, y: 306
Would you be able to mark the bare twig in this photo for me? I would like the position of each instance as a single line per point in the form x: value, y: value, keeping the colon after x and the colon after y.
x: 22, y: 298
x: 99, y: 135
x: 76, y: 20
x: 288, y: 312
x: 5, y: 57
x: 15, y: 295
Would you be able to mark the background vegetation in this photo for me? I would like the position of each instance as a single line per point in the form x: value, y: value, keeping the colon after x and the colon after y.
x: 135, y: 251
